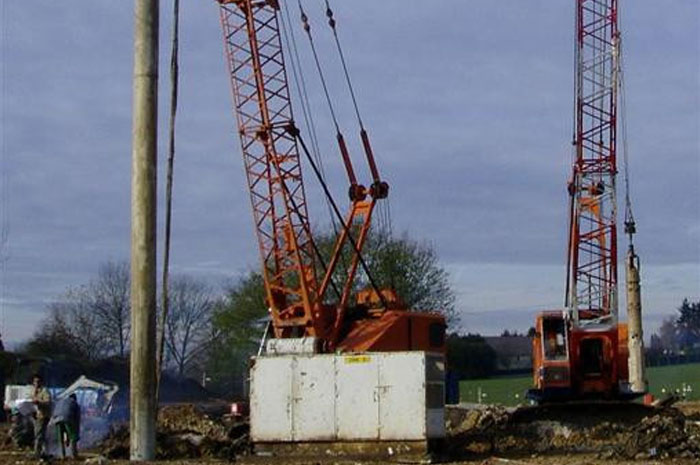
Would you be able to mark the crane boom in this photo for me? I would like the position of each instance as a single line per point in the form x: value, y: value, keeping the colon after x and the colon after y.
x: 272, y: 163
x: 592, y: 258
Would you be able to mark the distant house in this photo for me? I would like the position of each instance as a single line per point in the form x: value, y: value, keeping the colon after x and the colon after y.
x: 514, y: 352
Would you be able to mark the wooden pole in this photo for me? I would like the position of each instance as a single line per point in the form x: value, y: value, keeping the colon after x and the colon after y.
x: 143, y: 231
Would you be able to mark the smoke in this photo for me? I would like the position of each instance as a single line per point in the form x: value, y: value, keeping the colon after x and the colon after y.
x: 93, y: 430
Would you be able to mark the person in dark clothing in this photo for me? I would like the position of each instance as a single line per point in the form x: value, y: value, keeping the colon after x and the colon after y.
x: 66, y: 417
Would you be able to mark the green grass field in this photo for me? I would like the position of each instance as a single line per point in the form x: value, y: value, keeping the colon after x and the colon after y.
x: 510, y: 390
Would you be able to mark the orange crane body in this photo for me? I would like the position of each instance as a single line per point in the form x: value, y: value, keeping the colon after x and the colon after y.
x: 573, y: 363
x: 296, y: 291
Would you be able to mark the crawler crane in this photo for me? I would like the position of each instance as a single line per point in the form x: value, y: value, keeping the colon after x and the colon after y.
x: 583, y: 351
x: 337, y: 361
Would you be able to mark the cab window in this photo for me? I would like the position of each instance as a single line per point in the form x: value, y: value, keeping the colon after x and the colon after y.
x: 554, y: 339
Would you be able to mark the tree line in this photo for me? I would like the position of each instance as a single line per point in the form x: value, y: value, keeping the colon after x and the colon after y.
x: 92, y: 322
x: 678, y: 337
x: 211, y: 333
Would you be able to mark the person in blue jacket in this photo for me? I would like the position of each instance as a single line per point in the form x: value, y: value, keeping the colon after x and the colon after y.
x: 66, y: 417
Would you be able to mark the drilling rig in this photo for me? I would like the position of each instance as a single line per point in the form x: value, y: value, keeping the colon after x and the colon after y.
x: 583, y: 351
x: 343, y: 368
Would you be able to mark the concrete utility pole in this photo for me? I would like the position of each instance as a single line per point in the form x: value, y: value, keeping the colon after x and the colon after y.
x: 143, y: 231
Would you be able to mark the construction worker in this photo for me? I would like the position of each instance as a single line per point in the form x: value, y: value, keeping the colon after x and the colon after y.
x: 42, y: 402
x: 66, y: 417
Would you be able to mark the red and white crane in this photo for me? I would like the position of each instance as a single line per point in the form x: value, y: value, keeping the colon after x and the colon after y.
x: 583, y: 351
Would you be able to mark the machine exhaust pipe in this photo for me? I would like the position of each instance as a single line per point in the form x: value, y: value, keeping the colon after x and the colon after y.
x: 635, y: 340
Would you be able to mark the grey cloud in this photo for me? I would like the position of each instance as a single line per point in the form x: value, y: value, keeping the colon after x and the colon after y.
x: 468, y: 105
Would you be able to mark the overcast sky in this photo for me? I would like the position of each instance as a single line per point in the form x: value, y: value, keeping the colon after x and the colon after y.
x: 469, y: 106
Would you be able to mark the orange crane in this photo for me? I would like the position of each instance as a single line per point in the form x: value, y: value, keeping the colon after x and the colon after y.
x: 346, y: 370
x: 584, y: 351
x: 298, y: 283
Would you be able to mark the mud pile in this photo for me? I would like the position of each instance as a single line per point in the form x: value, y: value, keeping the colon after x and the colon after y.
x: 184, y: 431
x: 187, y: 418
x: 475, y: 419
x: 628, y: 431
x: 664, y: 435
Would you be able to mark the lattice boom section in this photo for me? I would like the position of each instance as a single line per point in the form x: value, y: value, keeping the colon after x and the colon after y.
x: 263, y: 111
x: 593, y: 251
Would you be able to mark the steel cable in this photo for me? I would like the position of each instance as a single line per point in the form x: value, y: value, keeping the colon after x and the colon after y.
x: 346, y: 227
x: 332, y: 23
x: 307, y: 28
x: 5, y: 178
x: 630, y: 225
x: 300, y: 83
x: 384, y: 216
x: 174, y: 75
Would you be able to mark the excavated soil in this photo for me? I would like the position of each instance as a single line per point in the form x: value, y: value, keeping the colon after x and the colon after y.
x: 605, y: 431
x: 487, y: 435
x: 184, y: 432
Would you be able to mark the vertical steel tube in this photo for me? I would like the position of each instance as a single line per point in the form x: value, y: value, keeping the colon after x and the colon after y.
x: 143, y: 231
x: 635, y: 340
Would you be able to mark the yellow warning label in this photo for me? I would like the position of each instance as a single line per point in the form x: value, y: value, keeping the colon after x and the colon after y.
x: 357, y: 359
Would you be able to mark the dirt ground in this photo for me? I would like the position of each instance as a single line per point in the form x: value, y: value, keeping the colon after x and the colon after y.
x: 17, y: 458
x: 592, y: 432
x: 487, y: 435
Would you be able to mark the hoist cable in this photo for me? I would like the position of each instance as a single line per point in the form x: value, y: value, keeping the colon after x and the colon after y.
x: 576, y: 89
x: 5, y: 178
x: 165, y: 302
x: 346, y: 227
x: 300, y: 83
x: 332, y: 24
x: 297, y: 83
x: 307, y: 28
x: 630, y: 225
x: 568, y: 301
x: 384, y: 216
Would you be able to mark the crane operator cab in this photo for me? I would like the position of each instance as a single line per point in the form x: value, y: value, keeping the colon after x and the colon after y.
x: 573, y: 362
x: 551, y: 364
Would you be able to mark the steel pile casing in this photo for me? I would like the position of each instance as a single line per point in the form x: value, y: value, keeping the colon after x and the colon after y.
x: 635, y: 339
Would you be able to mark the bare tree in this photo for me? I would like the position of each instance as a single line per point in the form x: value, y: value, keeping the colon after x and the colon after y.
x: 188, y: 328
x: 110, y: 295
x: 71, y: 328
x: 86, y: 326
x: 91, y: 321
